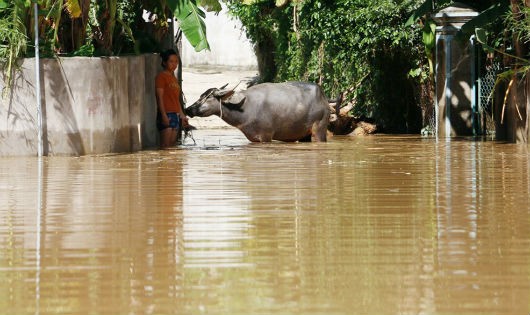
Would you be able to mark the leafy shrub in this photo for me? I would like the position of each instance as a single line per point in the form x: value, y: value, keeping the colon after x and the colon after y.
x: 340, y: 43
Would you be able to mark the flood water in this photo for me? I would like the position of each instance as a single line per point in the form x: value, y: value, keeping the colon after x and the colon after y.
x: 367, y: 225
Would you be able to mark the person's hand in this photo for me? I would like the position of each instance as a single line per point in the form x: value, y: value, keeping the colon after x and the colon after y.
x: 165, y: 120
x: 184, y: 120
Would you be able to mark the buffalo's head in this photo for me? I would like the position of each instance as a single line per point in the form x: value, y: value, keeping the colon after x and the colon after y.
x: 210, y: 102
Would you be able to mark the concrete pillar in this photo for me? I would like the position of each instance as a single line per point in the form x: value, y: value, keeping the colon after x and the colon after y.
x: 455, y: 73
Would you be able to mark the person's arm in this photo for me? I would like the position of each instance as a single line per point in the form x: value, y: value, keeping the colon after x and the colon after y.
x: 183, y: 117
x: 160, y: 104
x: 181, y: 113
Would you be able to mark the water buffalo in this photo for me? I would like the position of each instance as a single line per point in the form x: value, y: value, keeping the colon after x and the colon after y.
x: 289, y: 111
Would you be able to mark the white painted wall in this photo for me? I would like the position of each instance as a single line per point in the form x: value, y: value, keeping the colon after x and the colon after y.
x: 228, y: 44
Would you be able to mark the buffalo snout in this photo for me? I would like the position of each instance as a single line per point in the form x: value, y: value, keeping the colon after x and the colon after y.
x: 191, y: 111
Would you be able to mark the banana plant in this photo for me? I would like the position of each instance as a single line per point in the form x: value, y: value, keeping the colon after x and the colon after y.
x: 191, y: 19
x: 104, y: 17
x: 53, y: 10
x: 191, y: 22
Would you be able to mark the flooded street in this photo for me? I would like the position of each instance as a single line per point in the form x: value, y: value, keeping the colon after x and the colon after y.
x: 366, y: 225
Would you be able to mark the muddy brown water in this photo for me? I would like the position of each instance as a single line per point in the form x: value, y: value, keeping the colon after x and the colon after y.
x: 369, y: 225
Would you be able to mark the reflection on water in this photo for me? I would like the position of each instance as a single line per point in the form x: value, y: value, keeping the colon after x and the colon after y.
x: 374, y: 225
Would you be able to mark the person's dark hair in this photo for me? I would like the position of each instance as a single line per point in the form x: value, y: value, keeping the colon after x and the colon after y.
x: 165, y: 56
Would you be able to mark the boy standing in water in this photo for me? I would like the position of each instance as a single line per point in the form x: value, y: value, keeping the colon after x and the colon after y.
x: 170, y: 113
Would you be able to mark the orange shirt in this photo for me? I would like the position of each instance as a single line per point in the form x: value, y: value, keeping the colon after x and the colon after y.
x: 171, y: 98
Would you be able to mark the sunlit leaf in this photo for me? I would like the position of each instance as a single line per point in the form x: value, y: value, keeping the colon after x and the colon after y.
x: 414, y: 73
x: 429, y: 34
x: 54, y: 11
x: 73, y: 8
x: 482, y: 37
x: 210, y: 5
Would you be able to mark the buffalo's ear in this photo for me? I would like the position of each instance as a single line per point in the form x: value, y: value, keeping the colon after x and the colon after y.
x: 233, y: 98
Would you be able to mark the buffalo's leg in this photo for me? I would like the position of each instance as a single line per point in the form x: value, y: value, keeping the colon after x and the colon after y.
x: 319, y: 130
x: 259, y: 138
x: 265, y: 137
x: 306, y: 138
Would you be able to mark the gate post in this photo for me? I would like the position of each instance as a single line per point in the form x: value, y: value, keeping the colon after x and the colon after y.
x: 455, y: 73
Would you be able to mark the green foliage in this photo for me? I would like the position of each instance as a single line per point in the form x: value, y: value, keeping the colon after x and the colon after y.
x: 490, y: 17
x: 491, y: 12
x: 210, y: 5
x: 105, y: 27
x: 337, y: 43
x: 13, y: 40
x: 429, y: 40
x: 517, y: 27
x: 518, y: 21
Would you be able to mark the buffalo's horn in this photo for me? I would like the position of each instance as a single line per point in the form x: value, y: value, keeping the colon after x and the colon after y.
x: 222, y: 87
x: 234, y: 88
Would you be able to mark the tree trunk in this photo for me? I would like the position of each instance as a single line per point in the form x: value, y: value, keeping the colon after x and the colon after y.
x: 72, y: 34
x: 103, y: 34
x: 79, y: 27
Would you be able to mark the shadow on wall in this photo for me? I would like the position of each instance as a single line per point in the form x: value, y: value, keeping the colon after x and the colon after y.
x: 87, y: 107
x: 461, y: 114
x: 63, y: 99
x: 454, y: 88
x: 17, y: 117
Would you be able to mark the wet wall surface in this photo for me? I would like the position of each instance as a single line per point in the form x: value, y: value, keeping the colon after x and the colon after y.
x: 367, y: 225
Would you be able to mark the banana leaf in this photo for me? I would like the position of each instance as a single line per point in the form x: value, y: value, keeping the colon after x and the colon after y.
x: 191, y: 22
x: 73, y: 8
x: 210, y: 5
x: 426, y: 8
x: 486, y: 17
x: 423, y: 9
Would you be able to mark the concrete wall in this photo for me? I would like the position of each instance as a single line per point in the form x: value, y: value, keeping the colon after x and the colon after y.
x: 90, y: 106
x: 228, y: 44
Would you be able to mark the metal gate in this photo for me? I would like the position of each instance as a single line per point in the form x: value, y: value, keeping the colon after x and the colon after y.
x: 487, y: 71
